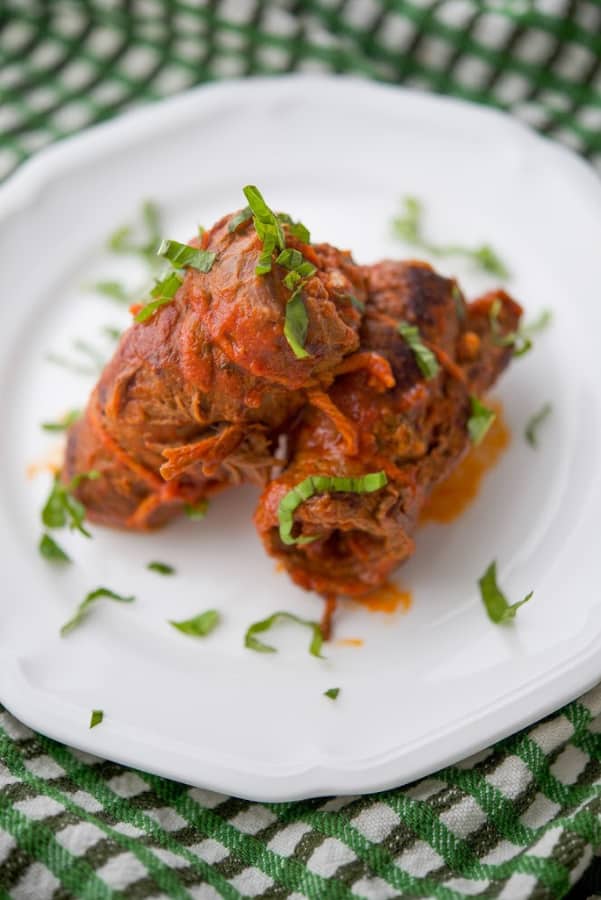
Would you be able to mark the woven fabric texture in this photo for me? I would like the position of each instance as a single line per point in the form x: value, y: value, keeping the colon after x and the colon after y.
x: 520, y: 820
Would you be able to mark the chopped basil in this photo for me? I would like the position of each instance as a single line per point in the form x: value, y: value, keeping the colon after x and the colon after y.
x: 164, y: 291
x: 480, y: 420
x: 200, y: 625
x: 534, y: 423
x: 359, y: 306
x: 519, y: 340
x: 50, y: 550
x: 245, y: 215
x: 459, y: 301
x: 64, y: 422
x: 268, y: 228
x: 296, y: 323
x: 498, y: 609
x: 85, y: 604
x: 299, y: 268
x: 182, y: 256
x: 253, y: 643
x: 96, y: 717
x: 161, y: 568
x: 296, y: 229
x: 113, y: 333
x: 540, y: 324
x: 321, y: 484
x: 197, y: 511
x: 73, y: 365
x: 62, y: 508
x: 484, y: 256
x: 425, y: 359
x: 113, y: 289
x: 332, y: 693
x: 91, y: 352
x: 123, y: 239
x: 409, y: 228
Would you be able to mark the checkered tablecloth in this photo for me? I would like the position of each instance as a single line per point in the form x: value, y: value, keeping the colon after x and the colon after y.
x: 521, y: 820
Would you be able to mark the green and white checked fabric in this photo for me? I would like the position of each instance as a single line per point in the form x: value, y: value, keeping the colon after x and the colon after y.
x: 521, y: 820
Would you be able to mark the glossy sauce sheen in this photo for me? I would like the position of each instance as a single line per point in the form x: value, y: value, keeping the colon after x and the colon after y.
x: 451, y: 498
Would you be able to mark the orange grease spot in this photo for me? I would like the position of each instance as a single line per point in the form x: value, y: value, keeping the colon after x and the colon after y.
x: 350, y: 642
x: 450, y: 498
x: 386, y: 599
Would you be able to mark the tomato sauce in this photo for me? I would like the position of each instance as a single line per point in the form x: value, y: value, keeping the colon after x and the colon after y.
x: 452, y: 497
x: 386, y: 599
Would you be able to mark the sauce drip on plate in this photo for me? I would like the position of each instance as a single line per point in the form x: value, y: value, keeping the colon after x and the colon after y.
x: 386, y: 599
x: 452, y: 497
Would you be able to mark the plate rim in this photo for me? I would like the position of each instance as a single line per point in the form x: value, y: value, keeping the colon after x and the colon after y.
x: 380, y: 772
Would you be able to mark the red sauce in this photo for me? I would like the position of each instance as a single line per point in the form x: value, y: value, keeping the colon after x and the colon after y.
x: 386, y: 599
x: 454, y: 495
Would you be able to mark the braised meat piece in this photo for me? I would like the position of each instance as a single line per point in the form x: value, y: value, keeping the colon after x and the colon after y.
x: 196, y: 395
x: 397, y: 420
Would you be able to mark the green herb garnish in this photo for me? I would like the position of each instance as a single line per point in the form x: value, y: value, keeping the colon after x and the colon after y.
x: 480, y: 420
x: 161, y: 568
x: 534, y: 422
x: 299, y: 268
x: 296, y: 323
x: 245, y: 215
x: 200, y: 625
x: 64, y: 422
x: 62, y: 508
x: 164, y: 291
x: 519, y: 339
x: 498, y: 609
x: 268, y: 228
x: 65, y: 363
x: 321, y: 484
x: 123, y: 240
x: 96, y: 717
x: 459, y: 302
x: 540, y: 324
x: 332, y: 693
x: 425, y: 359
x: 113, y: 289
x: 253, y: 643
x: 50, y: 550
x: 358, y: 304
x: 111, y: 332
x: 197, y: 511
x: 409, y: 228
x: 182, y: 256
x: 296, y: 229
x: 85, y: 604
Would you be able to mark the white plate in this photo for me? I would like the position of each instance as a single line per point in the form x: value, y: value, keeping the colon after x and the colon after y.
x: 427, y: 687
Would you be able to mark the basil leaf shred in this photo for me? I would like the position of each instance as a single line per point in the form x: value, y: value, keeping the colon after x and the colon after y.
x: 161, y: 567
x: 534, y: 422
x: 89, y: 599
x: 321, y: 484
x: 498, y: 608
x: 51, y: 551
x: 252, y: 642
x: 480, y: 420
x: 332, y: 693
x: 200, y: 625
x: 425, y: 359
